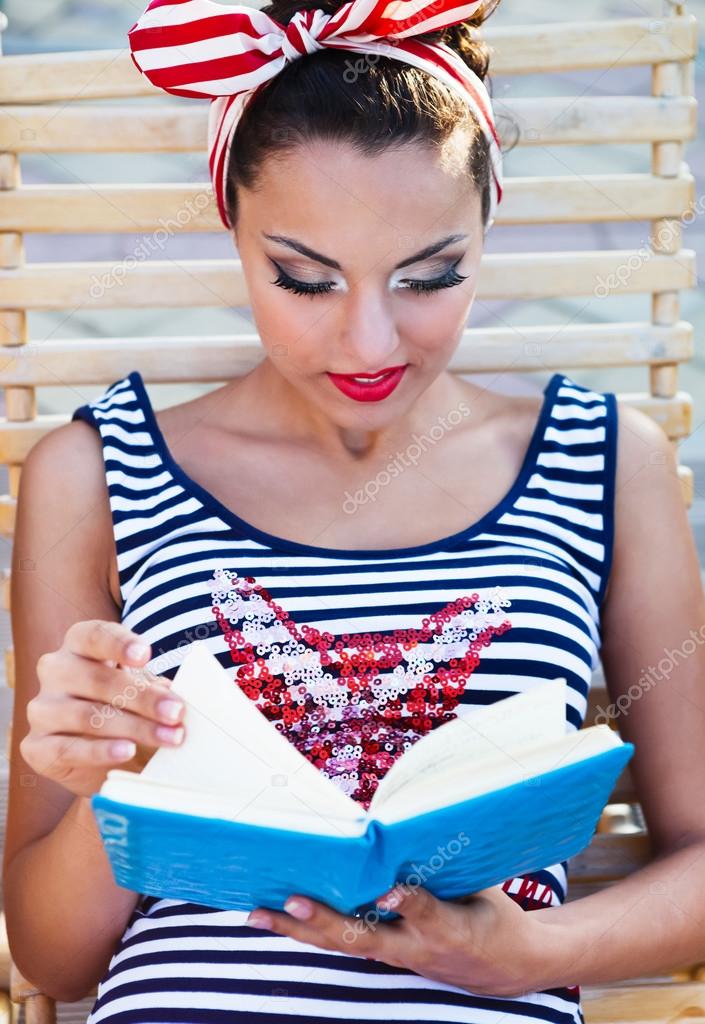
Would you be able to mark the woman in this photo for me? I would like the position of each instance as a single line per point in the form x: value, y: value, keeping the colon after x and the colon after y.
x: 358, y: 184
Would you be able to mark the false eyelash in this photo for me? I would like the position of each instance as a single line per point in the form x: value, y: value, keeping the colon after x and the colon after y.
x: 448, y: 280
x: 297, y: 287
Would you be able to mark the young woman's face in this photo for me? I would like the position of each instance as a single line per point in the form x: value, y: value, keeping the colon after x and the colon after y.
x: 348, y: 231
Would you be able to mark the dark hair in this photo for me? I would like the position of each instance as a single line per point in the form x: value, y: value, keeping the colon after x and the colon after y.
x: 371, y: 101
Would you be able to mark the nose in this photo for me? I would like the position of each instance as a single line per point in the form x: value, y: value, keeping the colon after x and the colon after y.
x: 369, y: 339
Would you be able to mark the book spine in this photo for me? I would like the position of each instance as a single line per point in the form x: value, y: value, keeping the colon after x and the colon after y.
x: 377, y: 875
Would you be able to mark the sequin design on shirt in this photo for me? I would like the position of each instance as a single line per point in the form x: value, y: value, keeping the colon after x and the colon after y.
x: 352, y: 704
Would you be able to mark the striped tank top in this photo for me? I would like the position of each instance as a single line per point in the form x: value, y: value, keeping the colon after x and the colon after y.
x: 491, y: 611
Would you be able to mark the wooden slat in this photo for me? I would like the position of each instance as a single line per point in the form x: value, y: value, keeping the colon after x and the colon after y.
x: 610, y: 856
x: 600, y: 709
x: 651, y: 1001
x: 624, y: 791
x: 38, y: 1007
x: 599, y: 702
x: 596, y: 197
x: 163, y: 127
x: 17, y: 438
x: 124, y: 208
x: 5, y: 958
x: 171, y: 283
x: 191, y: 207
x: 560, y: 120
x: 157, y: 128
x: 202, y: 358
x: 518, y: 49
x: 686, y: 479
x: 674, y: 415
x: 624, y: 42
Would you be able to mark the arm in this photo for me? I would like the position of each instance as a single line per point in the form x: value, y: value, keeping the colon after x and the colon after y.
x: 654, y: 643
x: 64, y: 911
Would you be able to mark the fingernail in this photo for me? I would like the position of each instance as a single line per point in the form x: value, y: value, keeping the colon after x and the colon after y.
x: 169, y: 709
x: 297, y: 908
x: 390, y: 899
x: 137, y: 651
x: 259, y: 919
x: 122, y: 749
x: 165, y: 732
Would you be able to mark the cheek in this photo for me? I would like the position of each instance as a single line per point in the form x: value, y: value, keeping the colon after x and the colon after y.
x: 433, y: 323
x: 293, y: 329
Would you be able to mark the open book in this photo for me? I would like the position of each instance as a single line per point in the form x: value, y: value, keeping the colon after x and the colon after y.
x: 236, y: 817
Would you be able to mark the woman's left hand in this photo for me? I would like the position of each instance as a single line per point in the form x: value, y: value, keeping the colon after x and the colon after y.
x: 483, y: 943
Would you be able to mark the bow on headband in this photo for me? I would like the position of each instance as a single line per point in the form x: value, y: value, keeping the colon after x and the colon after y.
x: 204, y: 49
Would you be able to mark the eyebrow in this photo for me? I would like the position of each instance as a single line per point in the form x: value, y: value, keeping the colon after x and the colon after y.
x: 424, y: 254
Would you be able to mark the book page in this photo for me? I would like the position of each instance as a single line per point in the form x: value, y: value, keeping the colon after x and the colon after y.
x: 264, y: 809
x: 230, y: 748
x: 479, y: 735
x: 457, y: 786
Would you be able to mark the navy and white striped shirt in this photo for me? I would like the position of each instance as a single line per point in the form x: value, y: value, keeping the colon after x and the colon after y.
x: 491, y: 610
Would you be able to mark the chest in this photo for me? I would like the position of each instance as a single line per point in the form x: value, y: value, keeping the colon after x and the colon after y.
x: 410, y: 496
x: 433, y: 486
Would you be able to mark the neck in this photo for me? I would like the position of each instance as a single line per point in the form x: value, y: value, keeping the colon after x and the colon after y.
x: 355, y: 436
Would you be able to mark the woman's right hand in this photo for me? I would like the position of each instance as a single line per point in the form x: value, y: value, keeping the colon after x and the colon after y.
x: 81, y: 709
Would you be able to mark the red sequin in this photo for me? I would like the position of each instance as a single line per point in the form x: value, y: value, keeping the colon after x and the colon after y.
x: 352, y: 704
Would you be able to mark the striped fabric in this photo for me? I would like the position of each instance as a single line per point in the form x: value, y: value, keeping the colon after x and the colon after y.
x: 203, y: 49
x: 541, y: 557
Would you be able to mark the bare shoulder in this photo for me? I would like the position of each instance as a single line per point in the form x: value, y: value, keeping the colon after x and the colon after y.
x: 63, y: 501
x: 67, y: 461
x: 640, y: 439
x: 75, y: 441
x: 646, y: 471
x: 652, y: 534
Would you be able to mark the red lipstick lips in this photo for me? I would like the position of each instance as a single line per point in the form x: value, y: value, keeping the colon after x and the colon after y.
x: 373, y: 388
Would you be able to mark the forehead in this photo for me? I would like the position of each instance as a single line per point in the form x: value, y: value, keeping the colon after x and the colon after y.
x: 324, y: 189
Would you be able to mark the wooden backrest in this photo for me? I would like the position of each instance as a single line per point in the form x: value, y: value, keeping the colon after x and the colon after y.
x: 97, y: 103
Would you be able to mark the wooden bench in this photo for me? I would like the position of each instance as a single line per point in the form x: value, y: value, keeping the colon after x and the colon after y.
x: 52, y: 104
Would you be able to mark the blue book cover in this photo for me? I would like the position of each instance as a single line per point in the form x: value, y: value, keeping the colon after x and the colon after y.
x: 236, y: 817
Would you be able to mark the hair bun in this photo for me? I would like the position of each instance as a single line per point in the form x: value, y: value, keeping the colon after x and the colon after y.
x: 463, y: 37
x: 465, y: 40
x: 284, y: 10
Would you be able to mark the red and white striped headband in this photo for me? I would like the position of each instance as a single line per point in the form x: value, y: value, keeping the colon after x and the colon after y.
x: 204, y: 49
